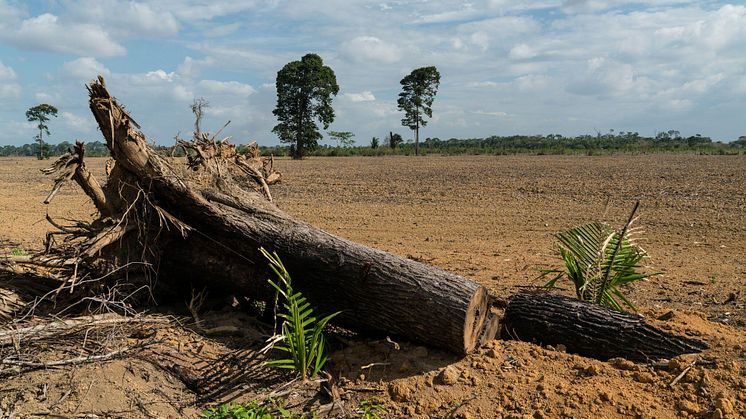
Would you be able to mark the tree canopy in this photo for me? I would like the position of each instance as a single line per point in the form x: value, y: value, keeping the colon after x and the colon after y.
x: 304, y: 95
x: 394, y: 140
x: 416, y: 99
x: 343, y: 138
x: 40, y: 114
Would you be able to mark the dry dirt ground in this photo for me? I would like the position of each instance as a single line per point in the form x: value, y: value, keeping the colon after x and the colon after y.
x: 487, y: 218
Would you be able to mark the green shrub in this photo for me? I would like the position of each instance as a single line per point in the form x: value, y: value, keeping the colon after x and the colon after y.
x: 303, y: 339
x: 598, y: 260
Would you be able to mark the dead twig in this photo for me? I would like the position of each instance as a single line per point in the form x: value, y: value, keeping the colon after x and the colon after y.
x: 683, y: 373
x: 70, y: 361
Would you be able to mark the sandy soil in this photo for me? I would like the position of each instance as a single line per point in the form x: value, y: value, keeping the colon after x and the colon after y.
x: 491, y: 219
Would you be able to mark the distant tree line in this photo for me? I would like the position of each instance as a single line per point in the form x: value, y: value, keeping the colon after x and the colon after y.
x: 392, y: 144
x: 609, y: 143
x: 93, y: 149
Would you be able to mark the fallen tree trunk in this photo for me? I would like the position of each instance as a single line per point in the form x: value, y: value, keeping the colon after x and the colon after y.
x: 168, y: 226
x: 590, y: 329
x: 201, y: 223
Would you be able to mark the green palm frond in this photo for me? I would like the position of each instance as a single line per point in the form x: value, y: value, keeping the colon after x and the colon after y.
x: 598, y: 260
x: 302, y: 333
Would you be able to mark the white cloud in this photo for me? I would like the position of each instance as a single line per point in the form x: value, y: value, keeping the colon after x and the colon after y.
x: 370, y: 48
x: 533, y: 82
x: 226, y: 88
x: 466, y: 12
x: 191, y: 67
x: 45, y: 97
x: 158, y: 84
x: 10, y: 91
x: 480, y: 39
x: 46, y: 33
x: 84, y: 68
x: 490, y: 113
x: 482, y: 84
x: 127, y: 18
x: 17, y: 131
x: 522, y: 52
x: 364, y: 96
x: 6, y: 72
x: 78, y: 123
x: 201, y: 10
x: 9, y: 88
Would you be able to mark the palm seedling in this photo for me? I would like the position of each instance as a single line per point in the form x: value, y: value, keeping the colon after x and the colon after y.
x: 599, y: 260
x: 302, y: 337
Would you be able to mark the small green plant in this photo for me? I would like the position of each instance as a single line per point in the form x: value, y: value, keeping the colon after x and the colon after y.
x: 18, y: 251
x: 371, y: 409
x: 302, y: 333
x: 598, y: 260
x: 251, y: 410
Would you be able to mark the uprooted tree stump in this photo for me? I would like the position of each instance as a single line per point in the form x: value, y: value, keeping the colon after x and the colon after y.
x: 167, y: 226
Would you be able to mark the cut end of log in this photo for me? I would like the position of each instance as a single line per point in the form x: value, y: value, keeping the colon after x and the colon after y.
x: 476, y: 315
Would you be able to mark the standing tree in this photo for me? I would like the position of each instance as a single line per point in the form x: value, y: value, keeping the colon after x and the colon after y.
x: 394, y: 140
x: 374, y: 142
x: 343, y: 138
x: 40, y: 114
x: 304, y: 94
x: 416, y: 99
x: 198, y: 109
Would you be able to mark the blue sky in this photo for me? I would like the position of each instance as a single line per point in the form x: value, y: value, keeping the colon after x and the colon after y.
x: 507, y: 67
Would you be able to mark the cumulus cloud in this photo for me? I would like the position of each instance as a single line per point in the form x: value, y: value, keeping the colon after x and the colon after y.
x: 6, y: 72
x: 78, y: 123
x: 84, y: 68
x: 157, y: 83
x: 226, y: 88
x: 364, y: 96
x: 46, y: 33
x: 522, y: 52
x: 200, y: 10
x: 192, y: 67
x: 127, y: 18
x: 370, y: 48
x: 10, y: 91
x: 9, y: 88
x: 533, y: 82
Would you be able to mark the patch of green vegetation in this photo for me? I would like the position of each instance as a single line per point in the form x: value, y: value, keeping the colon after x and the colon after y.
x: 18, y: 251
x: 302, y: 336
x: 251, y: 410
x: 371, y: 409
x: 598, y: 260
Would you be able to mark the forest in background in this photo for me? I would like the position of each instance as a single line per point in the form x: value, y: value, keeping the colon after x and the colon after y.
x: 610, y: 143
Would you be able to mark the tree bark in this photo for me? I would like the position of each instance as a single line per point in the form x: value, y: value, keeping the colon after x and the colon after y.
x: 224, y: 224
x: 590, y: 329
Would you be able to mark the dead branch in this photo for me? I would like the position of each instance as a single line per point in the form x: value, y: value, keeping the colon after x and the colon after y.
x: 58, y: 327
x: 71, y: 361
x: 72, y: 166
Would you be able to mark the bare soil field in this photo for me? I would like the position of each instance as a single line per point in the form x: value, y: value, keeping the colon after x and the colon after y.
x: 488, y: 218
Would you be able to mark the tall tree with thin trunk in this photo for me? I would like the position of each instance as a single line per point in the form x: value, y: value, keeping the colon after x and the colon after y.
x: 304, y: 95
x: 40, y: 114
x: 416, y: 99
